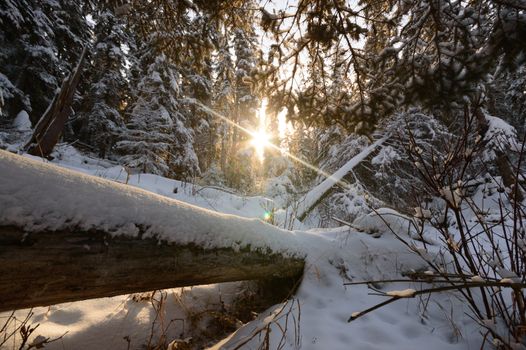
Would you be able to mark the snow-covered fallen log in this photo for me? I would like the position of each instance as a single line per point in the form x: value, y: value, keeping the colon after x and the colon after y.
x: 66, y: 236
x: 318, y: 193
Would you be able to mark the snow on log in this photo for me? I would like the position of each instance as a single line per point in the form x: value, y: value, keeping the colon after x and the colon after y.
x: 66, y: 236
x: 316, y: 195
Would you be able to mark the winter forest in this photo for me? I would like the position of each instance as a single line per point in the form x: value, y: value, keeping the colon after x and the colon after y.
x: 262, y: 174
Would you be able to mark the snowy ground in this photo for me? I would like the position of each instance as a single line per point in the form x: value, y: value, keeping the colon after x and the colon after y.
x: 314, y: 318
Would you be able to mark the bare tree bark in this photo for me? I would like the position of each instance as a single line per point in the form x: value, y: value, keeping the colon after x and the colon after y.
x: 46, y: 268
x: 50, y: 127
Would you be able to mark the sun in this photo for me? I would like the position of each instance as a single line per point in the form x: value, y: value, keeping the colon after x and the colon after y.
x: 260, y: 137
x: 260, y: 141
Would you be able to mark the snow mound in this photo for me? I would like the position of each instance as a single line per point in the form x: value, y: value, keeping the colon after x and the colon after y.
x: 383, y: 221
x: 317, y: 315
x: 22, y: 122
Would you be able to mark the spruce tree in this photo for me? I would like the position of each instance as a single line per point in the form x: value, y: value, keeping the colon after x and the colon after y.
x: 41, y: 41
x: 156, y: 139
x: 198, y: 88
x: 71, y: 31
x: 241, y: 172
x: 29, y: 57
x: 224, y: 92
x: 100, y: 121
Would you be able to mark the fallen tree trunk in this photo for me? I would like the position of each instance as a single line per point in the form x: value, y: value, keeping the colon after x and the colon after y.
x: 46, y: 268
x: 67, y: 236
x: 323, y: 189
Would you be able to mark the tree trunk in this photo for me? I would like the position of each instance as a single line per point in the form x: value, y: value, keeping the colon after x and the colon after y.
x: 46, y: 268
x: 50, y: 127
x: 322, y: 190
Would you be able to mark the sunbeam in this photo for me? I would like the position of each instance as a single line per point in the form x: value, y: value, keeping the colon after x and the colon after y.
x: 269, y: 144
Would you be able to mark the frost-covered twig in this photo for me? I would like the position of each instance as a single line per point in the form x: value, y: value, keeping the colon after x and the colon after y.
x: 411, y: 293
x: 343, y: 222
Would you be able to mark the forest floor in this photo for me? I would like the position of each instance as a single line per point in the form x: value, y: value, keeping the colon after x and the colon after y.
x: 315, y: 317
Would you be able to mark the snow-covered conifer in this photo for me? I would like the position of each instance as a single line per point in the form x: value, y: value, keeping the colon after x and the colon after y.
x: 156, y: 139
x: 100, y: 121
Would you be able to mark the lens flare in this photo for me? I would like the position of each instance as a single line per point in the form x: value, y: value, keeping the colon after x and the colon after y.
x: 269, y: 144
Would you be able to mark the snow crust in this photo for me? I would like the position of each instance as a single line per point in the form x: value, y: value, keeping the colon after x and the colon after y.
x: 326, y: 304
